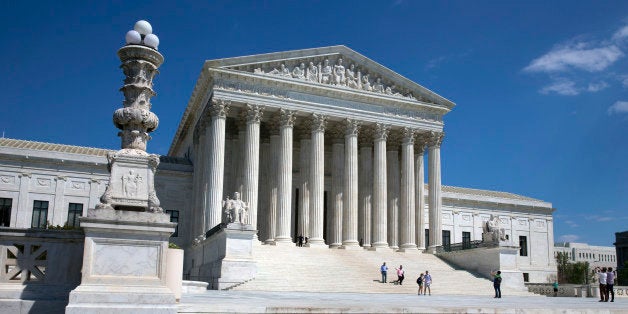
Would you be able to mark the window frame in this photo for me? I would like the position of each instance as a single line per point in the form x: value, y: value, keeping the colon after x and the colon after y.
x: 39, y: 209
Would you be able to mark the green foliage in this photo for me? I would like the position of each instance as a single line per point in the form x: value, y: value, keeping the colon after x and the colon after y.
x: 59, y: 227
x: 575, y: 273
x: 173, y: 246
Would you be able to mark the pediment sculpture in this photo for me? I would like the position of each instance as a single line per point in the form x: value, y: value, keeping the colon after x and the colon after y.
x: 334, y: 73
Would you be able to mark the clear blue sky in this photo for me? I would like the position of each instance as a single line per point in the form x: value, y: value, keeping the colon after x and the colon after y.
x: 540, y: 86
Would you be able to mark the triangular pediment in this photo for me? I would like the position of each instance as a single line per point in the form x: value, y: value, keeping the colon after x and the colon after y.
x: 336, y: 66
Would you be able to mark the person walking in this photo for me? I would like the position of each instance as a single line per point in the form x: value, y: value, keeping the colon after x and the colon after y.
x: 427, y: 280
x: 497, y: 282
x: 419, y: 281
x: 601, y: 278
x: 610, y: 283
x: 400, y: 274
x: 384, y: 270
x: 555, y: 287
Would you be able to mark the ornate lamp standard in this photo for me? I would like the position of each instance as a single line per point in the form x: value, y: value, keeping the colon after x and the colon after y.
x: 131, y: 186
x: 126, y: 235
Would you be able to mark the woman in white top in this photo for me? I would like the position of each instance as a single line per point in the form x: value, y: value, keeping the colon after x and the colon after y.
x: 601, y: 275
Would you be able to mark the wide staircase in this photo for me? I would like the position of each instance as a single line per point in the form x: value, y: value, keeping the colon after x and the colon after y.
x: 290, y: 268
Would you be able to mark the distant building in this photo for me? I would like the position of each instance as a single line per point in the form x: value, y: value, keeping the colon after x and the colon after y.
x: 602, y: 256
x: 621, y: 249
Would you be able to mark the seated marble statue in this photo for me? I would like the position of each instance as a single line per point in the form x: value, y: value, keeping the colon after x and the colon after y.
x: 235, y: 209
x: 492, y: 227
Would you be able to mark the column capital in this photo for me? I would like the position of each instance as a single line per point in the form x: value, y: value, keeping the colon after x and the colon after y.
x: 435, y: 139
x: 286, y: 118
x: 254, y: 113
x: 318, y: 122
x: 352, y: 127
x: 336, y: 133
x: 408, y: 136
x: 420, y: 143
x: 219, y: 108
x: 381, y: 132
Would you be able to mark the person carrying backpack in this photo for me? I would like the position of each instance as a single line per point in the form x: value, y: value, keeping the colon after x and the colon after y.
x: 419, y: 281
x: 497, y: 282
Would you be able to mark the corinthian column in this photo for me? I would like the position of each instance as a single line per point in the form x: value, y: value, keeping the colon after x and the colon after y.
x: 337, y: 188
x: 250, y: 173
x: 365, y: 192
x: 350, y: 195
x: 284, y: 186
x: 380, y: 195
x: 264, y: 188
x: 419, y: 181
x: 304, y: 179
x: 407, y: 214
x: 434, y: 194
x: 317, y: 180
x: 273, y: 179
x: 392, y: 155
x: 216, y: 163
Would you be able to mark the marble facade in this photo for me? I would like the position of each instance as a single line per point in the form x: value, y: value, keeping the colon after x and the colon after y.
x: 322, y: 142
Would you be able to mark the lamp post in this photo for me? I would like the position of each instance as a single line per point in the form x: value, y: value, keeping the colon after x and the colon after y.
x: 131, y: 185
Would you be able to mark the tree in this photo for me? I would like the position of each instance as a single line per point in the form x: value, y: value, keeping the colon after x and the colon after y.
x: 575, y: 273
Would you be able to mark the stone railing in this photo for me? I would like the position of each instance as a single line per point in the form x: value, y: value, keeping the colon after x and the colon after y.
x: 38, y: 264
x: 465, y: 246
x: 571, y: 290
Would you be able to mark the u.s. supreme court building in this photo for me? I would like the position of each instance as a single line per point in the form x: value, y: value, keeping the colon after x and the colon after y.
x: 322, y: 143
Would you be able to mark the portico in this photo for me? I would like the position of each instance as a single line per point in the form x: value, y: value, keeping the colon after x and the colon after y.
x: 341, y: 153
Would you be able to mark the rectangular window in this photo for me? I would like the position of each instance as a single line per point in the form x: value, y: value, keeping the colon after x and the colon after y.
x: 5, y: 211
x: 466, y: 240
x: 427, y: 237
x: 40, y: 214
x: 526, y: 277
x: 174, y: 217
x: 523, y: 246
x: 75, y: 211
x: 446, y: 240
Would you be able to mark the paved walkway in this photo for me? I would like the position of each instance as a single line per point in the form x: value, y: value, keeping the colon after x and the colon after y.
x: 308, y: 302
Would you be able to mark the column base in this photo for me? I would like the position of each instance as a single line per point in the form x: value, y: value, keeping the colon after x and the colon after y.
x: 335, y: 245
x: 409, y: 247
x: 380, y: 249
x: 431, y: 249
x: 315, y: 243
x: 284, y: 242
x: 270, y: 242
x: 350, y: 246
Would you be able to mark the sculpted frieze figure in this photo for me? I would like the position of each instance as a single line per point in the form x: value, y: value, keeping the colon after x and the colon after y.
x: 366, y: 84
x: 339, y: 73
x: 312, y: 73
x: 351, y: 79
x: 326, y: 73
x: 378, y: 87
x: 299, y: 72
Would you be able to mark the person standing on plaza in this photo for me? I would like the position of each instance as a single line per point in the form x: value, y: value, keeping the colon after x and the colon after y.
x: 610, y: 283
x: 384, y: 270
x: 497, y: 283
x: 400, y: 274
x: 419, y: 281
x: 555, y: 287
x: 427, y: 279
x: 601, y: 278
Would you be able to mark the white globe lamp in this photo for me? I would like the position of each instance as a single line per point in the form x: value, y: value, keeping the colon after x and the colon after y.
x: 151, y: 40
x: 133, y: 37
x: 143, y: 27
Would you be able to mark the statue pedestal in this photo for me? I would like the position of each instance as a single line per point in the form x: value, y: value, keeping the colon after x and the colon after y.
x: 124, y: 264
x: 225, y: 257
